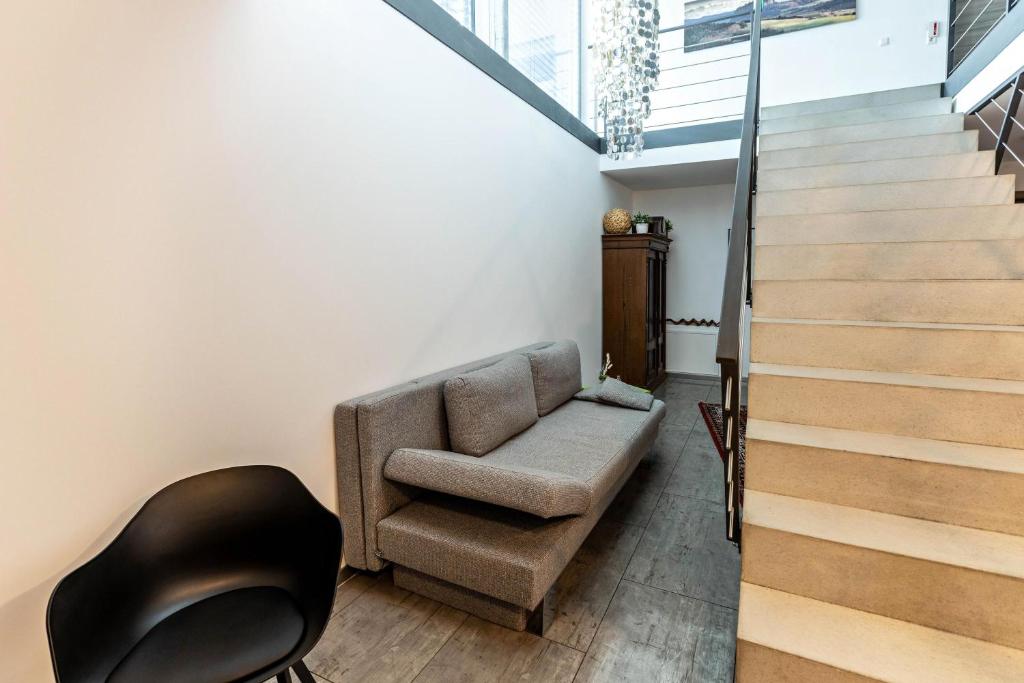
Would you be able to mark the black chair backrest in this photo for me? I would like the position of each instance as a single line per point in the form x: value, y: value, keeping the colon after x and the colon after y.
x: 242, y: 527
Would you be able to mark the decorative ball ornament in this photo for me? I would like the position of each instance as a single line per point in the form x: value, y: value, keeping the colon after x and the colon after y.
x: 617, y: 222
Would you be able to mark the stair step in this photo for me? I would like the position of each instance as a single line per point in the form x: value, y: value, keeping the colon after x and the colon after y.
x: 804, y: 632
x: 870, y: 150
x: 846, y: 117
x: 902, y: 128
x: 889, y: 565
x: 965, y: 165
x: 961, y: 260
x: 986, y: 351
x: 966, y: 410
x: 994, y: 222
x: 922, y: 194
x: 858, y: 101
x: 954, y: 483
x: 976, y: 302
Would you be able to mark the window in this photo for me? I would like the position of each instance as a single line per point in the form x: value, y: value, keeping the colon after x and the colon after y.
x: 541, y: 38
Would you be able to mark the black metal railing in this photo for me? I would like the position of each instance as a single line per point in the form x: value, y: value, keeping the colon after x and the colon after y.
x: 737, y: 293
x: 998, y: 115
x: 700, y: 89
x: 970, y: 22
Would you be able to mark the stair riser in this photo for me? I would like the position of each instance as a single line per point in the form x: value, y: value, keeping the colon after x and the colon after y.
x: 965, y: 496
x: 848, y: 117
x: 971, y: 603
x: 874, y: 646
x: 995, y: 302
x: 988, y: 260
x: 876, y: 150
x: 859, y: 101
x: 918, y: 195
x: 949, y: 224
x: 972, y: 164
x: 759, y: 664
x: 931, y: 125
x: 958, y: 353
x: 924, y: 412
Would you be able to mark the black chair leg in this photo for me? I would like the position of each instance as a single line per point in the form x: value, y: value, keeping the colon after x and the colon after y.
x: 302, y: 672
x: 284, y: 677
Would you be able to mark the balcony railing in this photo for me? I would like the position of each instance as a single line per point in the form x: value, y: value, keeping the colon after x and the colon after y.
x: 699, y: 85
x: 970, y: 22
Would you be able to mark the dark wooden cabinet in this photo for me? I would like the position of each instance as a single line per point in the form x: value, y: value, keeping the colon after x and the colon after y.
x: 634, y: 306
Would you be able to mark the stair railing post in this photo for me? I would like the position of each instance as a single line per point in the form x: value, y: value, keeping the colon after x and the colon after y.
x: 1011, y: 111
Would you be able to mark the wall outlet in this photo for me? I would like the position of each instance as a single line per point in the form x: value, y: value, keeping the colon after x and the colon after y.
x: 883, y: 41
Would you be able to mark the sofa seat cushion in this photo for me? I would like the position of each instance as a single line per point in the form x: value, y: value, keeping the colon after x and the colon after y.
x: 487, y: 406
x: 539, y: 492
x: 504, y: 553
x: 560, y: 466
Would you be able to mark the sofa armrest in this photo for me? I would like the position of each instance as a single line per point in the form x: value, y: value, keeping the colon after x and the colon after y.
x: 541, y: 493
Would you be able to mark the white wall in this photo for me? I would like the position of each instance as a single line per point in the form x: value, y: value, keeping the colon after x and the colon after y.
x: 846, y: 58
x: 220, y: 219
x: 696, y: 267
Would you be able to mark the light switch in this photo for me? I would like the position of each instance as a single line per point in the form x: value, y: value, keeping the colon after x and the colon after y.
x: 883, y: 41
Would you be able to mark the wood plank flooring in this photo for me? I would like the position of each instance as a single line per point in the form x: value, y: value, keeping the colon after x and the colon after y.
x: 651, y: 596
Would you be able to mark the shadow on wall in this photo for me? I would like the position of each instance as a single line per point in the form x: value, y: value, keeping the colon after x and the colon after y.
x: 23, y: 619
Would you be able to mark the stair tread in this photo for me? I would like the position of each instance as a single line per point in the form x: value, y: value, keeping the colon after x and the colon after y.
x: 878, y: 113
x: 879, y: 171
x: 977, y: 549
x: 998, y: 386
x: 840, y: 152
x: 944, y: 192
x: 995, y: 259
x: 923, y: 184
x: 839, y: 636
x: 939, y: 224
x: 921, y: 119
x: 975, y: 327
x: 994, y: 458
x: 915, y: 93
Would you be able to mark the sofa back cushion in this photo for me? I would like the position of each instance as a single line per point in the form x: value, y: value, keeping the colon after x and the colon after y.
x: 556, y: 374
x: 489, y: 406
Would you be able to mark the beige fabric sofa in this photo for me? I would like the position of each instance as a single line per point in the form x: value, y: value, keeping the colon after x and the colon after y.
x: 488, y: 534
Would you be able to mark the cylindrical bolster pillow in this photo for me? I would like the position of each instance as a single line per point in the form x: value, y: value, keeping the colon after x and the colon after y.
x: 541, y: 493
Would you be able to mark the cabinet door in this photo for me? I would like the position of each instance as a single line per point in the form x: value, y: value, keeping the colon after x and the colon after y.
x: 654, y: 307
x: 663, y: 312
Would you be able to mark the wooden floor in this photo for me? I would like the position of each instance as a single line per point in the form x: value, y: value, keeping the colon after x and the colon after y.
x: 651, y: 596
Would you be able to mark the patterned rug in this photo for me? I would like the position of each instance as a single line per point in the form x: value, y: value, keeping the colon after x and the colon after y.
x: 712, y: 413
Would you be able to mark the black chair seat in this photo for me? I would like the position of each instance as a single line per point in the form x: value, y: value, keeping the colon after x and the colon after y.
x: 224, y: 577
x: 228, y: 637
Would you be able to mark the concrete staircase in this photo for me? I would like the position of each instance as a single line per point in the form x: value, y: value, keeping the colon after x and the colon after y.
x: 883, y: 535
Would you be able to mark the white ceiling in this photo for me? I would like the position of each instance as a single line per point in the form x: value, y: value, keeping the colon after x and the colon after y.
x: 694, y: 174
x: 710, y: 163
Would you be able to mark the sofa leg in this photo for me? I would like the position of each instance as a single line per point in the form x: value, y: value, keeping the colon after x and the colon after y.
x: 541, y: 617
x: 284, y: 677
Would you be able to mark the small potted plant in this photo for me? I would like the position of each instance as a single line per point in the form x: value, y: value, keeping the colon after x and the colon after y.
x: 668, y: 226
x: 642, y: 222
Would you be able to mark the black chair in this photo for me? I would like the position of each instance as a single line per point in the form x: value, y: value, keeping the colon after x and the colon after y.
x: 224, y: 577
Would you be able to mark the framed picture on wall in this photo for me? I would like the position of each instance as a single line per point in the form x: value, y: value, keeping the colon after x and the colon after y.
x: 722, y: 22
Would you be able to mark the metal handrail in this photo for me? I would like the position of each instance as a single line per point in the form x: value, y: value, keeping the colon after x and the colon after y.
x: 1013, y: 86
x: 737, y: 293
